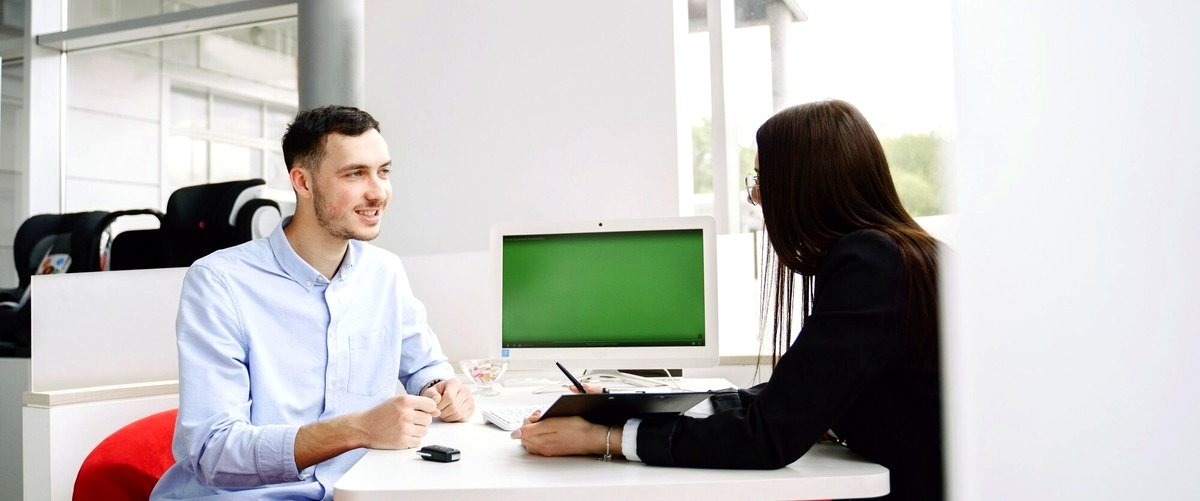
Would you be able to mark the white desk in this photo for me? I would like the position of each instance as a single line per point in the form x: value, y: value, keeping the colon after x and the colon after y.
x: 494, y: 466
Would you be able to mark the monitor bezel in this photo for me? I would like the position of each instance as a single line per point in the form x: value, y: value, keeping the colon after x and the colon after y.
x: 664, y: 357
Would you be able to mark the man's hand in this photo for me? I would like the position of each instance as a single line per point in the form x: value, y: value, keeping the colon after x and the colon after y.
x: 453, y: 400
x: 397, y: 423
x: 566, y: 436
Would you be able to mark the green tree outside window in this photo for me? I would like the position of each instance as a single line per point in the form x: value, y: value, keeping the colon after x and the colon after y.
x: 915, y: 161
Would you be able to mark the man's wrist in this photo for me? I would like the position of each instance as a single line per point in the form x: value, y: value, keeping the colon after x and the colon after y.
x: 319, y: 441
x: 351, y: 431
x: 430, y: 384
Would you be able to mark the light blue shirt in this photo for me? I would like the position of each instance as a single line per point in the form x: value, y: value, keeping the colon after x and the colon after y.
x: 267, y: 344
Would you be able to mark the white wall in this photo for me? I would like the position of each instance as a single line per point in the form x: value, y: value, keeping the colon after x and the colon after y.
x: 457, y: 293
x: 522, y: 110
x: 1072, y: 351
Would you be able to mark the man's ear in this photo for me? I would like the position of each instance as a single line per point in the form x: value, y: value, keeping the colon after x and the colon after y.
x: 302, y: 181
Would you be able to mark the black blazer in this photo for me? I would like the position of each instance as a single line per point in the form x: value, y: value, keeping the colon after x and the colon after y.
x: 851, y: 369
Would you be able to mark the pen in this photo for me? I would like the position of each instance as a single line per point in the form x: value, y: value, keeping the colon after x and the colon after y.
x: 572, y: 378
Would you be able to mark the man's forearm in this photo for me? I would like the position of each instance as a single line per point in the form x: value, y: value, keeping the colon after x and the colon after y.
x: 322, y: 440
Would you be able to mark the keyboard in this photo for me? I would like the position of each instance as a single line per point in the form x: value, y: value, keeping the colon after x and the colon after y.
x: 509, y: 418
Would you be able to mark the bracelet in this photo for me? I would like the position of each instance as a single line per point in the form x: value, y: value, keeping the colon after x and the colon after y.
x: 607, y: 457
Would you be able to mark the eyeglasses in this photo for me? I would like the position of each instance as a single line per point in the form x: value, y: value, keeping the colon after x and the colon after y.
x: 752, y: 194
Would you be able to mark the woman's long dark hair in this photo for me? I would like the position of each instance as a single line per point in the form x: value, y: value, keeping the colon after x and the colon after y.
x: 822, y: 175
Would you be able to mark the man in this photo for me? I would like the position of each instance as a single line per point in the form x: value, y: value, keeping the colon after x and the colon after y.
x: 290, y: 346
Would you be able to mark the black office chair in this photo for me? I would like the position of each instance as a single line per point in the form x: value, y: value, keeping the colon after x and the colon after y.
x: 199, y: 220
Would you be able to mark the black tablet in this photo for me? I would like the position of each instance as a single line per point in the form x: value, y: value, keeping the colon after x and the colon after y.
x: 615, y: 408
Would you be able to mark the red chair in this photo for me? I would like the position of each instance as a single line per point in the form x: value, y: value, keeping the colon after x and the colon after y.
x: 128, y: 463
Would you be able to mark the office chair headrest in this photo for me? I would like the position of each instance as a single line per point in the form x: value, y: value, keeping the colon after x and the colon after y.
x: 197, y: 209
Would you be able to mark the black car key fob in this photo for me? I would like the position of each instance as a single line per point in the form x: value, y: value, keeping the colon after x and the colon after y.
x: 439, y: 453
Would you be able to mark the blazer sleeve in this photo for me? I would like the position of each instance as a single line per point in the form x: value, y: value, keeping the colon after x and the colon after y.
x: 851, y: 337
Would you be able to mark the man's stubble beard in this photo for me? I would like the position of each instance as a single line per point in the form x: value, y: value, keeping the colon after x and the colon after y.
x: 327, y: 218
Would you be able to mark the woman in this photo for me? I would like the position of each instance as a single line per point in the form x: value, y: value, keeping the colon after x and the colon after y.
x: 864, y: 366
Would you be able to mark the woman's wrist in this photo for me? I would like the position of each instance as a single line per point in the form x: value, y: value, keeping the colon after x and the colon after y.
x: 615, y: 440
x: 596, y: 440
x: 607, y: 440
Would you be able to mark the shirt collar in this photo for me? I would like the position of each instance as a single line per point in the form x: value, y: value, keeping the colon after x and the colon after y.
x: 299, y: 269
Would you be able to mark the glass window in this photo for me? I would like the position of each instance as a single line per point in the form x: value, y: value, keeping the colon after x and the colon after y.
x: 12, y: 19
x: 187, y: 161
x: 697, y: 105
x: 12, y: 132
x: 174, y: 96
x: 8, y: 227
x: 902, y: 80
x: 189, y: 109
x: 276, y: 172
x: 12, y: 108
x: 238, y: 117
x: 234, y: 146
x: 894, y: 64
x: 232, y: 162
x: 182, y: 51
x: 277, y: 122
x: 748, y: 97
x: 81, y: 13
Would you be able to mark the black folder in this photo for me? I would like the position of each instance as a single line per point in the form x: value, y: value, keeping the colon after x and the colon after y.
x: 615, y: 408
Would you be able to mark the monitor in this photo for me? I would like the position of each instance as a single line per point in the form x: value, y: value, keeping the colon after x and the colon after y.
x: 620, y: 294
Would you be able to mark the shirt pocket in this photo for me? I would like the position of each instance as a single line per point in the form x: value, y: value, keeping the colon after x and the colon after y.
x: 370, y: 358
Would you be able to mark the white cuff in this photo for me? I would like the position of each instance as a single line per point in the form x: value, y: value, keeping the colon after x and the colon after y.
x: 629, y: 439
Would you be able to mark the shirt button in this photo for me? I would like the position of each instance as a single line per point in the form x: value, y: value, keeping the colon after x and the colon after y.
x: 309, y: 283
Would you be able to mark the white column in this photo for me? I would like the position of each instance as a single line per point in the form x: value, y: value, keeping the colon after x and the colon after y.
x: 331, y: 53
x: 41, y: 155
x: 724, y: 142
x: 779, y: 18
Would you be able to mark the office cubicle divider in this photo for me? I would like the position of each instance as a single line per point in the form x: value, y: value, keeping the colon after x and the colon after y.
x: 103, y: 355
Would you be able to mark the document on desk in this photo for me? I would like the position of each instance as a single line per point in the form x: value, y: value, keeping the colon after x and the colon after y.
x: 616, y: 408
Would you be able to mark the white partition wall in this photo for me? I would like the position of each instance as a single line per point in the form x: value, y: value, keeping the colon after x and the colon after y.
x: 58, y: 438
x: 1072, y: 351
x: 522, y: 110
x: 97, y: 329
x: 103, y: 356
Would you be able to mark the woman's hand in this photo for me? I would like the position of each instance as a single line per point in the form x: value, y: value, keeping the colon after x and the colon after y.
x: 566, y: 436
x: 589, y: 387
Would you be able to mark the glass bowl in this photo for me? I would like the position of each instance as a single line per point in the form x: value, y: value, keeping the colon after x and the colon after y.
x: 484, y: 372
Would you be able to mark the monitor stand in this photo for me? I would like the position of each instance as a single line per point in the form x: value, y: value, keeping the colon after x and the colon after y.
x: 601, y: 376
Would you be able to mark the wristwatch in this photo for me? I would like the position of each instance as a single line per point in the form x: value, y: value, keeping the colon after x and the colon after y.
x: 429, y: 385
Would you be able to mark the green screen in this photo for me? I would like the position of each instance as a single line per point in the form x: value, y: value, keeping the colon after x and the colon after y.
x: 637, y: 288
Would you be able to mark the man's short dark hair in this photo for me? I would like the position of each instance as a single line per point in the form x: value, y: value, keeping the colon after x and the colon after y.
x: 304, y: 141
